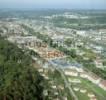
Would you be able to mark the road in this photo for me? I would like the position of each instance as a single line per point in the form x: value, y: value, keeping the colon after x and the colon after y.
x: 67, y: 84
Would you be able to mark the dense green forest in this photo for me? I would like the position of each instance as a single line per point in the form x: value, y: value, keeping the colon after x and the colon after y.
x: 18, y: 79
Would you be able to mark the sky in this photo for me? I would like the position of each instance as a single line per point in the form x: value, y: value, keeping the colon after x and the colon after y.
x: 57, y: 4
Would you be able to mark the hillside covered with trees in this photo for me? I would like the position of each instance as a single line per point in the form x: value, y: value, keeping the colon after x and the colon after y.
x: 18, y: 79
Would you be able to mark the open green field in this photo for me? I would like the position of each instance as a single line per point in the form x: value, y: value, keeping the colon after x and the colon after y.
x: 99, y: 92
x: 90, y: 87
x: 81, y: 96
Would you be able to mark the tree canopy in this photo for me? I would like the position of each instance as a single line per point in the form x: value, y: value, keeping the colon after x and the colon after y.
x: 18, y: 79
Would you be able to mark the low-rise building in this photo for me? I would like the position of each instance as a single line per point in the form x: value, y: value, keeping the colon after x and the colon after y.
x: 71, y: 73
x: 83, y: 75
x: 103, y: 84
x: 74, y: 80
x: 94, y: 78
x: 99, y: 63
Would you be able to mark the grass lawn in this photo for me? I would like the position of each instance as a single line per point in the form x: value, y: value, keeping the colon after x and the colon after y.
x: 81, y: 96
x: 90, y: 87
x: 100, y: 93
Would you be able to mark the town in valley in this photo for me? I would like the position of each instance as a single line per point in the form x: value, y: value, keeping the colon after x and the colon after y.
x: 67, y: 48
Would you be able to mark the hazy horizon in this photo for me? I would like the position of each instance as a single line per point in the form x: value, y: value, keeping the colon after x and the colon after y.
x: 53, y: 4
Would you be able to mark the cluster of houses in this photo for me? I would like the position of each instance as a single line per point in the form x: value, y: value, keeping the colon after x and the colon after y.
x: 53, y: 54
x: 37, y: 45
x: 30, y: 41
x: 12, y: 29
x: 96, y: 49
x: 84, y: 91
x: 86, y: 75
x: 99, y: 63
x: 49, y: 53
x: 53, y: 90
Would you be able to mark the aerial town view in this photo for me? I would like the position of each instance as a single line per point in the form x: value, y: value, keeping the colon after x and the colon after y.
x: 54, y: 51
